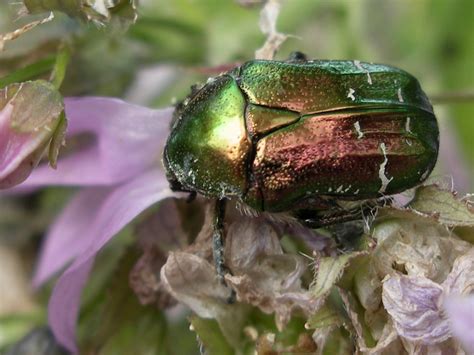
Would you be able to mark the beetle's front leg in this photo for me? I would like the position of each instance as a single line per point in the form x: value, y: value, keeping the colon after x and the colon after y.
x: 320, y: 221
x: 218, y: 244
x: 218, y: 238
x: 336, y: 214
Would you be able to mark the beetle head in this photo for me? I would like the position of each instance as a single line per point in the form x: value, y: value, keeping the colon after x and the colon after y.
x: 208, y: 144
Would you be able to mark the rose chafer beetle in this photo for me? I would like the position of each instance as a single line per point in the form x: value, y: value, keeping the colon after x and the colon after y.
x: 317, y: 139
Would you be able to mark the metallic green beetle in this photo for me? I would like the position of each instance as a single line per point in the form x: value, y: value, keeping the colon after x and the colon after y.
x: 304, y: 137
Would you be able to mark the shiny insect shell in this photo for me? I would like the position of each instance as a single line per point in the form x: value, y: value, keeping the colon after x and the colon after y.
x: 303, y: 135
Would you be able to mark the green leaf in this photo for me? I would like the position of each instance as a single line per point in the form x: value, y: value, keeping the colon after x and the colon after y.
x: 338, y: 342
x: 59, y: 70
x: 330, y: 271
x: 333, y: 331
x: 326, y: 316
x: 210, y: 335
x: 355, y: 312
x: 367, y: 286
x: 444, y: 205
x: 13, y: 327
x: 57, y: 140
x: 30, y: 72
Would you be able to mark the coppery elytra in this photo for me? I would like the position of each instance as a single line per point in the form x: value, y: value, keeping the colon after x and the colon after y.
x: 316, y: 139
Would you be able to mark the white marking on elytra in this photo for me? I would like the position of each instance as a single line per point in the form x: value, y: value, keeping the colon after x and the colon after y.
x: 359, y: 132
x: 407, y: 125
x: 383, y: 178
x: 351, y: 94
x: 348, y: 187
x: 360, y: 67
x: 399, y: 93
x: 356, y: 192
x: 330, y: 189
x: 339, y: 189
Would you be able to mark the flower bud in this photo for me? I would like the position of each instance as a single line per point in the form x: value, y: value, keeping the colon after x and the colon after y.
x: 32, y: 121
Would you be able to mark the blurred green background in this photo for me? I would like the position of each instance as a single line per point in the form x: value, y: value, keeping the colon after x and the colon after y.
x: 175, y: 44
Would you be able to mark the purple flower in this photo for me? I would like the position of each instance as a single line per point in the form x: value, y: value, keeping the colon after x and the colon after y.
x: 121, y: 173
x: 415, y: 303
x: 460, y: 311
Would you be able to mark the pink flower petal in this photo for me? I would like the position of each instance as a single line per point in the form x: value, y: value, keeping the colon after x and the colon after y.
x: 128, y: 140
x: 116, y: 211
x: 460, y: 311
x: 66, y: 238
x: 19, y: 151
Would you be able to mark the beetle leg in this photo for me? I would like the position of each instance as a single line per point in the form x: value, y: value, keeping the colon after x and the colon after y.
x: 218, y: 239
x: 218, y: 244
x: 324, y: 220
x: 316, y: 219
